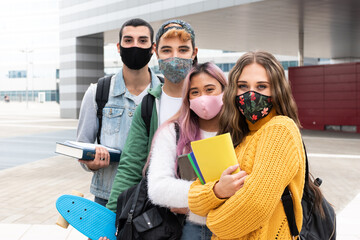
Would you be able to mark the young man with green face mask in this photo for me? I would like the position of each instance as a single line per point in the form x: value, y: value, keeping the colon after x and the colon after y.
x: 176, y: 52
x: 127, y: 88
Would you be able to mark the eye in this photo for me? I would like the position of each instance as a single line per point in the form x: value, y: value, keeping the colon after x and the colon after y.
x: 165, y: 50
x: 242, y: 86
x: 194, y: 92
x: 262, y: 87
x: 210, y: 90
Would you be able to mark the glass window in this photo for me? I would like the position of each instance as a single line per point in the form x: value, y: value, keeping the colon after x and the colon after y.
x: 293, y: 64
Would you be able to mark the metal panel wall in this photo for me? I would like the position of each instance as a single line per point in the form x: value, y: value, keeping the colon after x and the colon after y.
x: 327, y: 95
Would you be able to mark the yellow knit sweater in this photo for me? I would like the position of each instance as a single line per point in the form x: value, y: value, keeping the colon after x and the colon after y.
x: 273, y: 157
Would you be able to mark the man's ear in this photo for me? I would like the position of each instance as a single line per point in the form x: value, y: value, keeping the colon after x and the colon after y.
x: 157, y: 55
x: 153, y: 49
x: 118, y: 47
x: 194, y: 53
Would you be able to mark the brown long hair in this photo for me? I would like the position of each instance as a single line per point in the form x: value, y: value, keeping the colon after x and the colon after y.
x: 231, y: 120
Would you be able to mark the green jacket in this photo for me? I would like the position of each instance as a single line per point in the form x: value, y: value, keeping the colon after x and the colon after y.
x: 135, y: 151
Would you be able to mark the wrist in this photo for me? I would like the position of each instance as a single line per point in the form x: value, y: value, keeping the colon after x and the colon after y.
x: 217, y: 191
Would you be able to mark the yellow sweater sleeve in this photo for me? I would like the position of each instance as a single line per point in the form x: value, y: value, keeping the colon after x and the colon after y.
x: 202, y: 198
x: 277, y: 157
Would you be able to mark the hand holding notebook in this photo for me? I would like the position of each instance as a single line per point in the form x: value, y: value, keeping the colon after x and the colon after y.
x: 211, y: 156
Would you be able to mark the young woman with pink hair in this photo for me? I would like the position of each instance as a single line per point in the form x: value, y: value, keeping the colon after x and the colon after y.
x: 198, y: 118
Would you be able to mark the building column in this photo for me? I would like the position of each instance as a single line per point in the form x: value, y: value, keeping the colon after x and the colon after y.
x: 81, y: 63
x: 301, y: 34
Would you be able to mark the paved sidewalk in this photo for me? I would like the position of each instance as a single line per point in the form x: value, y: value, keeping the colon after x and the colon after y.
x: 29, y: 191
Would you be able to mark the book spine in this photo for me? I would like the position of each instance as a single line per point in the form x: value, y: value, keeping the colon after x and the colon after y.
x: 89, y: 154
x: 114, y: 157
x: 196, y: 168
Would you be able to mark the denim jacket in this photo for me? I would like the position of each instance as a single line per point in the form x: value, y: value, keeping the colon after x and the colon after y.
x: 116, y: 121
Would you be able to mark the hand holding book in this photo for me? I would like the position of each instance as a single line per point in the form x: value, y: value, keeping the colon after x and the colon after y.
x: 211, y: 156
x: 229, y: 183
x: 101, y: 159
x: 87, y: 151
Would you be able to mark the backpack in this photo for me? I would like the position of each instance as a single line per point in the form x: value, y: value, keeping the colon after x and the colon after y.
x: 102, y: 96
x: 137, y: 218
x: 314, y: 226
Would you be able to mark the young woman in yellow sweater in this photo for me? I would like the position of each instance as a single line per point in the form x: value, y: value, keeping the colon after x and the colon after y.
x: 260, y: 113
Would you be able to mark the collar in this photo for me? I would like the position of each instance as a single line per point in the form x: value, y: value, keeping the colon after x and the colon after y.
x: 120, y: 83
x: 258, y: 124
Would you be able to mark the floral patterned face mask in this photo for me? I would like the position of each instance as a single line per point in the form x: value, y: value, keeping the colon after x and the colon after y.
x: 175, y: 69
x: 253, y: 105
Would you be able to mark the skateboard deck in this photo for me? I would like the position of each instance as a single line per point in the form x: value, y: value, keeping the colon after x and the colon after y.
x: 88, y: 217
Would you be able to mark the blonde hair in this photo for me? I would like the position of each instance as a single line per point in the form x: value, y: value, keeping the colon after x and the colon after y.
x: 180, y: 33
x: 231, y: 119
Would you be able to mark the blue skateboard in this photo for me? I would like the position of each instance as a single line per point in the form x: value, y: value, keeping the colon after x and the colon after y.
x: 88, y: 217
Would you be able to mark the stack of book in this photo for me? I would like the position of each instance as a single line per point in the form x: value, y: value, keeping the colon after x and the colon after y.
x: 210, y: 157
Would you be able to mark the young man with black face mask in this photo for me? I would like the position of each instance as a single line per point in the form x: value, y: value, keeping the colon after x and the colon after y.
x: 176, y: 53
x: 127, y: 88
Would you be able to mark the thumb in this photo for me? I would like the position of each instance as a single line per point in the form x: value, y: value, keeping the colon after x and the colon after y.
x: 230, y: 170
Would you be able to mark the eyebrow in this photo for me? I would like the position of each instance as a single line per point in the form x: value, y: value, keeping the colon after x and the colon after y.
x: 133, y: 37
x: 207, y: 85
x: 163, y: 47
x: 184, y: 46
x: 242, y: 81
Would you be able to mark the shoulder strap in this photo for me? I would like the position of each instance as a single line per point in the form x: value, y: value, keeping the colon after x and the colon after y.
x: 161, y: 79
x: 147, y: 104
x: 288, y: 203
x: 147, y: 107
x: 102, y: 95
x: 177, y: 131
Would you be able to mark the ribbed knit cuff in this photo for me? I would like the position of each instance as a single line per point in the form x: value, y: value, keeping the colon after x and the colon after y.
x: 202, y: 198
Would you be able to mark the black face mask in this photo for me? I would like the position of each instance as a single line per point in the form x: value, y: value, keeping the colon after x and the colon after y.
x: 135, y: 57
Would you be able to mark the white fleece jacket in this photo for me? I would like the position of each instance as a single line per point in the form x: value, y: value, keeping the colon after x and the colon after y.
x: 164, y: 188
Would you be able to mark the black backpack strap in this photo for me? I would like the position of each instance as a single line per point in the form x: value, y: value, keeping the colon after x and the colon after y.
x: 147, y: 107
x: 102, y: 95
x: 288, y: 203
x: 146, y: 110
x: 289, y: 211
x: 177, y: 131
x: 161, y: 79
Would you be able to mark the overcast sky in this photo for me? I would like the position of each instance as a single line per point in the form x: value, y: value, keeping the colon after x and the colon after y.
x: 28, y: 25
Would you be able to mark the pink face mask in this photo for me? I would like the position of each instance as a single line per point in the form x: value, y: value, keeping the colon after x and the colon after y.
x: 207, y: 106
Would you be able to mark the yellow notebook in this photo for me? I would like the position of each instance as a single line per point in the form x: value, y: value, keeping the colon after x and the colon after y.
x: 214, y: 155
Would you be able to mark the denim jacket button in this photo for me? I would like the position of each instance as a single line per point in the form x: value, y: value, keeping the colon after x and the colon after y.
x: 130, y: 114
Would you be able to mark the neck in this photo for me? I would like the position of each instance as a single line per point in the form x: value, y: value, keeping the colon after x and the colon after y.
x: 173, y: 89
x: 211, y: 125
x: 136, y: 80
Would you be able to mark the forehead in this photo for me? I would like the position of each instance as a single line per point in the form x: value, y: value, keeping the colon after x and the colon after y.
x: 203, y: 79
x: 254, y: 72
x: 135, y: 32
x: 174, y: 42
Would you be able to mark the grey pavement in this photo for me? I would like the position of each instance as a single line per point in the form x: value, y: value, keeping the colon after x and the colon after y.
x: 33, y: 177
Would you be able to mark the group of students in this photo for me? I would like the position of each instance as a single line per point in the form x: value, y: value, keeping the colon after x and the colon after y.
x: 254, y: 104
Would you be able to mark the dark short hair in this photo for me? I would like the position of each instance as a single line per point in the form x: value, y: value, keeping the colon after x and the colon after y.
x: 136, y: 22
